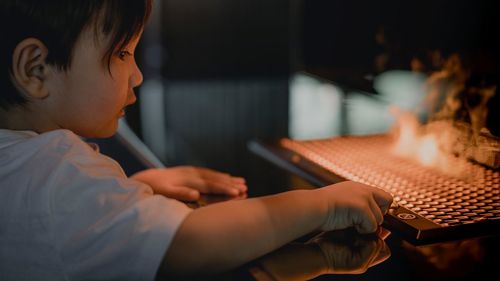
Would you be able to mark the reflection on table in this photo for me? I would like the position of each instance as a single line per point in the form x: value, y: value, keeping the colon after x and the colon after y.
x: 335, y: 252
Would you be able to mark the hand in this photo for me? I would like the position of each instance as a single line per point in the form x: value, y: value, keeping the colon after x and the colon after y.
x: 351, y: 204
x: 347, y: 252
x: 186, y: 182
x: 336, y: 252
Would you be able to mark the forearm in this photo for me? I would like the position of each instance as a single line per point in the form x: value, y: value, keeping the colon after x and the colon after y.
x: 228, y: 234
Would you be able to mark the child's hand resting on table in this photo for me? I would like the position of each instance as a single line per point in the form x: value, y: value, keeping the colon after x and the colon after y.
x: 186, y: 182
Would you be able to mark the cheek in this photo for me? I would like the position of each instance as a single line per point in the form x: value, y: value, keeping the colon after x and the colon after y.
x: 97, y: 93
x: 120, y: 78
x: 107, y: 84
x: 95, y: 99
x: 118, y: 90
x: 109, y: 95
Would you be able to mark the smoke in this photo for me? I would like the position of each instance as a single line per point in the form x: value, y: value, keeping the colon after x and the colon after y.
x: 450, y: 98
x: 457, y: 112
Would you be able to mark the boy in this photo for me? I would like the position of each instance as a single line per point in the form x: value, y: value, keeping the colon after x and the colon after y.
x: 68, y: 212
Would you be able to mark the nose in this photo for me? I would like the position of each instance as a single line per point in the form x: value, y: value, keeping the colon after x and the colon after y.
x: 136, y: 78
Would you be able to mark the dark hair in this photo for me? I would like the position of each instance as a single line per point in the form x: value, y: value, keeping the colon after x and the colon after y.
x: 58, y: 24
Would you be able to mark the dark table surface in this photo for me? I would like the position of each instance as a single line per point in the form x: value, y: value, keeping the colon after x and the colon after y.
x: 390, y: 258
x: 386, y: 255
x: 468, y: 259
x: 346, y: 255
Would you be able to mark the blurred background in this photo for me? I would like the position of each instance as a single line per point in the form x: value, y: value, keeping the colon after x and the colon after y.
x: 219, y: 73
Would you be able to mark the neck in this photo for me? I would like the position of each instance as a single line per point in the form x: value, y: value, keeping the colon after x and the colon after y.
x: 23, y: 118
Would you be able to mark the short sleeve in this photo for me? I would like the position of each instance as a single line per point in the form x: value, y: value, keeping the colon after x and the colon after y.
x: 106, y: 226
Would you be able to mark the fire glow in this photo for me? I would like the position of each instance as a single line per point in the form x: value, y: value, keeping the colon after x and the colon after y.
x: 413, y: 142
x: 455, y: 131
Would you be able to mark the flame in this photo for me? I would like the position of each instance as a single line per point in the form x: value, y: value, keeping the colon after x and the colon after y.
x: 428, y: 151
x: 455, y: 130
x: 413, y: 141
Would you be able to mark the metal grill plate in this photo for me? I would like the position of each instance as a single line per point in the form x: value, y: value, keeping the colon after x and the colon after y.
x: 468, y: 193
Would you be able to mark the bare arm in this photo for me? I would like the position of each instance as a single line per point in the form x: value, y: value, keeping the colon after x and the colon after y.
x: 228, y: 234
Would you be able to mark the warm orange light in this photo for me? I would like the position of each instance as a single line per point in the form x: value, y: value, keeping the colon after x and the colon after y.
x: 427, y: 150
x: 424, y: 143
x: 406, y: 131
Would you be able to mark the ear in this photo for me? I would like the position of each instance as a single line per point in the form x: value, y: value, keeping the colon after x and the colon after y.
x: 29, y: 70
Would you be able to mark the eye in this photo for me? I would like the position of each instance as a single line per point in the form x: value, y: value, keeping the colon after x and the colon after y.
x: 124, y: 53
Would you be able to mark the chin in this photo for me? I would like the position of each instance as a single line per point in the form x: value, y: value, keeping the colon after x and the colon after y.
x: 109, y: 132
x: 102, y: 132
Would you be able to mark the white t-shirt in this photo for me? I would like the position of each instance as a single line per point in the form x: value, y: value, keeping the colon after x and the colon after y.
x: 68, y: 212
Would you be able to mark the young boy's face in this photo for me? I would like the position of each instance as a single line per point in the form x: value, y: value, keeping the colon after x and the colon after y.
x: 89, y: 98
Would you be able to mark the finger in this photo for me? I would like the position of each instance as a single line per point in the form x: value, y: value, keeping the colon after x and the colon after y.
x: 368, y: 251
x: 383, y: 199
x: 219, y: 176
x: 377, y: 212
x: 383, y: 233
x: 224, y: 188
x: 383, y: 254
x: 182, y: 193
x: 210, y: 174
x: 216, y: 187
x: 239, y: 183
x: 220, y: 179
x: 239, y: 180
x: 365, y: 221
x: 196, y: 177
x: 242, y: 196
x: 197, y: 183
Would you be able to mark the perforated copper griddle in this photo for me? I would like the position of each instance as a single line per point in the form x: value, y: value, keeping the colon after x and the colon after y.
x: 429, y: 201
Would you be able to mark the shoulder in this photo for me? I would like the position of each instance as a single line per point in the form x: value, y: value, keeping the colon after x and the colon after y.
x: 89, y: 204
x: 55, y: 142
x: 25, y: 150
x: 52, y: 168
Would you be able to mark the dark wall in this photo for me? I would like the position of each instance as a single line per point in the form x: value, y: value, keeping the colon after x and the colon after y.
x: 223, y: 38
x: 225, y: 70
x: 342, y: 34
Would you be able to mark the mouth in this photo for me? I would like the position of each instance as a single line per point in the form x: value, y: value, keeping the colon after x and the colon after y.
x: 131, y: 101
x: 123, y: 110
